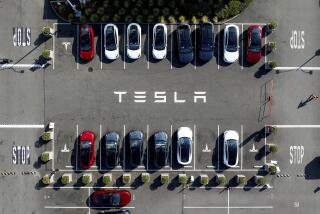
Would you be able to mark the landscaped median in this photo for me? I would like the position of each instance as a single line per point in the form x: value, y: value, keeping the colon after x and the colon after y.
x: 148, y: 11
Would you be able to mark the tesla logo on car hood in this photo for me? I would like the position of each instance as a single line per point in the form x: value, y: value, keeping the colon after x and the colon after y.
x: 160, y: 97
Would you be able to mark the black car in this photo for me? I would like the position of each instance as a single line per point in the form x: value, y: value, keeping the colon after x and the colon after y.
x: 111, y: 149
x: 136, y: 147
x: 185, y: 48
x: 161, y: 149
x: 206, y: 44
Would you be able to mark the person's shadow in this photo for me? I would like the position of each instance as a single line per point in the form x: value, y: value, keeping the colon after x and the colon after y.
x: 302, y: 103
x: 316, y: 190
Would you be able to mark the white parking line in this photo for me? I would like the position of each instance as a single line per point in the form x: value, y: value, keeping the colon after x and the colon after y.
x: 53, y: 43
x: 90, y: 187
x: 265, y: 52
x: 77, y: 144
x: 124, y: 47
x: 22, y: 126
x: 100, y: 127
x: 218, y: 162
x: 77, y: 47
x: 171, y: 137
x: 148, y: 57
x: 242, y: 46
x: 165, y: 170
x: 147, y: 145
x: 246, y: 23
x: 101, y: 40
x: 238, y: 207
x: 194, y: 147
x: 171, y: 45
x: 298, y: 68
x: 218, y: 60
x: 228, y: 201
x: 295, y: 126
x: 52, y: 166
x: 6, y: 66
x: 89, y: 200
x: 124, y: 147
x: 265, y: 145
x: 241, y: 148
x: 195, y: 46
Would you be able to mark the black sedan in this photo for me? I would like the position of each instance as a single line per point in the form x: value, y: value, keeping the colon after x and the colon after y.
x: 161, y: 149
x: 206, y: 43
x: 111, y: 149
x: 136, y: 147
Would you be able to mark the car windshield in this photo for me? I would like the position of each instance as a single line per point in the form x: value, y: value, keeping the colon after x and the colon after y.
x: 85, y: 151
x: 232, y: 149
x: 185, y: 146
x: 207, y: 39
x: 231, y: 40
x: 161, y: 155
x: 134, y: 38
x: 255, y: 43
x: 112, y: 199
x: 110, y: 39
x: 85, y: 39
x: 111, y: 145
x: 186, y: 45
x: 159, y: 39
x: 135, y: 144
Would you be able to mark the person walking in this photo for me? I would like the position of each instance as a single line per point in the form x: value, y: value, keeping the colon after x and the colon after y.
x: 312, y: 97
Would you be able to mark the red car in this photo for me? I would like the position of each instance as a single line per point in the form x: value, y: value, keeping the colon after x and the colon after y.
x: 86, y: 42
x: 111, y: 198
x: 86, y: 149
x: 254, y: 44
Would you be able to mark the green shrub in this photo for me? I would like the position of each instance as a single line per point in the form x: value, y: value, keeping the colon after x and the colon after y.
x: 205, y: 19
x: 140, y: 3
x: 156, y: 11
x: 126, y: 179
x: 172, y: 4
x: 222, y: 180
x: 71, y: 17
x: 145, y: 178
x: 45, y: 54
x: 272, y: 169
x: 116, y: 18
x: 135, y: 11
x: 45, y: 179
x: 94, y: 18
x: 65, y: 180
x: 100, y: 10
x: 83, y: 19
x: 273, y: 24
x: 139, y: 18
x: 261, y: 181
x: 165, y: 11
x: 273, y: 148
x: 122, y: 11
x: 182, y: 19
x: 242, y: 180
x: 165, y: 179
x: 106, y: 3
x: 45, y: 157
x: 128, y: 19
x: 126, y: 4
x: 88, y: 11
x: 162, y: 19
x: 62, y: 9
x: 172, y: 20
x: 106, y: 179
x: 204, y: 180
x: 104, y: 18
x: 234, y: 7
x: 116, y: 3
x: 85, y: 179
x: 272, y: 64
x: 150, y: 18
x: 194, y: 20
x: 160, y: 3
x: 183, y: 179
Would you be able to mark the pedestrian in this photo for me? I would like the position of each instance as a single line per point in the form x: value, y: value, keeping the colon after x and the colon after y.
x: 5, y: 61
x: 312, y: 97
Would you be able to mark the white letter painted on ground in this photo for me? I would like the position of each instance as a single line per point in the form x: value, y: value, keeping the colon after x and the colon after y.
x: 120, y: 93
x: 200, y: 95
x: 140, y: 96
x: 160, y: 97
x: 176, y: 100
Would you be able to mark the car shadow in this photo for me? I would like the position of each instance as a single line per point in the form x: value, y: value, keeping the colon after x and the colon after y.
x: 262, y: 71
x: 174, y: 142
x: 172, y: 55
x: 217, y: 155
x: 219, y: 49
x: 311, y: 170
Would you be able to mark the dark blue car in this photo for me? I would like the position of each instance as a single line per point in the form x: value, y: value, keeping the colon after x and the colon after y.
x: 206, y: 43
x: 185, y: 48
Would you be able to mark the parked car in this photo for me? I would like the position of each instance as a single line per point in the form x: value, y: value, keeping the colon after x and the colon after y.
x: 111, y: 198
x: 136, y: 147
x: 159, y: 45
x: 86, y: 42
x: 134, y: 41
x: 206, y: 44
x: 161, y: 149
x: 230, y: 148
x: 254, y: 44
x: 184, y: 145
x: 231, y: 43
x: 111, y: 41
x: 86, y: 149
x: 185, y: 48
x: 111, y: 149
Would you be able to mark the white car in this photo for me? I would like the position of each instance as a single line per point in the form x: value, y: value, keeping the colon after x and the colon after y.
x: 159, y: 45
x: 111, y: 41
x: 134, y: 41
x: 230, y: 148
x: 184, y: 145
x: 231, y: 43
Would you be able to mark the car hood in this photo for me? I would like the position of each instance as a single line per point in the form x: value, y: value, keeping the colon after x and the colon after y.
x: 112, y: 54
x: 159, y: 54
x: 134, y: 54
x: 86, y: 55
x: 185, y: 57
x: 231, y: 56
x: 184, y: 132
x: 205, y: 55
x: 253, y: 57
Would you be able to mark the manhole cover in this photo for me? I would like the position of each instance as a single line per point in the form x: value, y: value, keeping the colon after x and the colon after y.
x: 90, y: 69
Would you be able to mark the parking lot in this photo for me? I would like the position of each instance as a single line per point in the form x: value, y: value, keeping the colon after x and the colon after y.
x: 66, y: 49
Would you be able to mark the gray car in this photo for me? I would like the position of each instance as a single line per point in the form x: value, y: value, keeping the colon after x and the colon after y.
x: 136, y: 147
x: 161, y: 149
x: 111, y: 147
